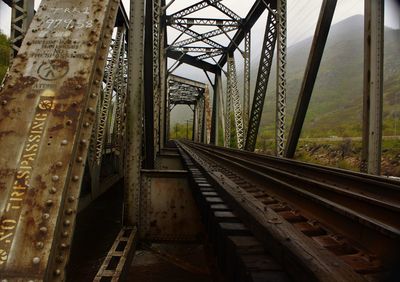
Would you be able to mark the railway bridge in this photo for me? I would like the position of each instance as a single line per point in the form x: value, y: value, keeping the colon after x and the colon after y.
x: 85, y: 112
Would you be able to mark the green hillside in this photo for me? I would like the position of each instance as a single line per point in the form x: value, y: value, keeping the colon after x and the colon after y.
x: 4, y: 55
x: 336, y: 104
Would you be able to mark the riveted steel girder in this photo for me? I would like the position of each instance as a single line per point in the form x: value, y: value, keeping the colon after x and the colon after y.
x: 202, y: 22
x: 264, y: 70
x: 193, y: 8
x: 234, y: 94
x: 310, y: 75
x: 281, y: 79
x: 21, y: 16
x: 204, y: 36
x: 373, y: 86
x: 46, y: 118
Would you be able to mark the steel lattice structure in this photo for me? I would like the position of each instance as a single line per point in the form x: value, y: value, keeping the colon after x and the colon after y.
x: 91, y: 89
x: 234, y: 97
x: 280, y: 119
x: 262, y: 82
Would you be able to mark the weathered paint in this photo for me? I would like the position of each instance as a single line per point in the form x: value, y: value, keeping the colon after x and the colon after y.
x: 46, y: 117
x: 168, y: 207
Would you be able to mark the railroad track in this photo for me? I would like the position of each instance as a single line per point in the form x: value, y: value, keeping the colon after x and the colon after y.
x: 324, y: 217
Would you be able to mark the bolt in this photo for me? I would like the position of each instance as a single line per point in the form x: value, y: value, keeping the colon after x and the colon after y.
x: 71, y: 199
x: 59, y: 164
x: 75, y: 178
x: 93, y: 95
x: 45, y: 216
x: 91, y: 110
x: 78, y: 86
x: 39, y: 245
x: 4, y: 102
x: 64, y: 246
x: 67, y: 222
x: 43, y: 229
x: 55, y: 178
x: 86, y: 57
x: 69, y: 211
x: 65, y: 234
x: 86, y: 124
x: 69, y: 122
x: 64, y: 142
x: 83, y: 141
x: 28, y: 43
x: 79, y: 159
x: 36, y: 260
x: 53, y: 190
x: 57, y: 272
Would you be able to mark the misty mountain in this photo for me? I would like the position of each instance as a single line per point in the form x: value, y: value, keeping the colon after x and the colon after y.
x: 336, y: 103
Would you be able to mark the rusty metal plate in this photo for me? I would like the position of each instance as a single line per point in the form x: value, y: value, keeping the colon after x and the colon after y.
x: 171, y: 212
x: 46, y: 116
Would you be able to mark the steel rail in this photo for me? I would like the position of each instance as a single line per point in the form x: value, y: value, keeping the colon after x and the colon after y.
x: 318, y: 188
x: 358, y: 217
x: 261, y: 213
x: 369, y: 185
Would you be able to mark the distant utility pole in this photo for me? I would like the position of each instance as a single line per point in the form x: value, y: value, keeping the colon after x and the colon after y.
x: 176, y: 131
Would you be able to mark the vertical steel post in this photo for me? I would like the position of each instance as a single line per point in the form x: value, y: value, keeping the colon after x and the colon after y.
x: 148, y: 87
x: 246, y: 81
x: 228, y: 108
x: 134, y: 111
x: 163, y: 76
x: 373, y: 86
x: 234, y: 94
x: 21, y: 16
x: 156, y: 74
x: 106, y: 102
x: 215, y: 111
x: 260, y: 90
x: 281, y: 79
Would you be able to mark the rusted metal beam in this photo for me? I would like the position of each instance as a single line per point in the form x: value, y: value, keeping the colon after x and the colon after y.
x: 148, y: 86
x: 255, y: 12
x: 46, y: 118
x: 314, y: 60
x: 373, y: 86
x: 193, y: 61
x: 134, y: 115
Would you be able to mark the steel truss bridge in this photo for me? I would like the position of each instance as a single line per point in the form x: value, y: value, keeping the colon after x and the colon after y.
x: 86, y: 104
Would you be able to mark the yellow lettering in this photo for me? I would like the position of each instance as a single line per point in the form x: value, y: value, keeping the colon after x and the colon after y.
x: 8, y: 224
x: 22, y: 174
x: 4, y: 237
x: 34, y: 138
x: 32, y: 147
x: 17, y: 194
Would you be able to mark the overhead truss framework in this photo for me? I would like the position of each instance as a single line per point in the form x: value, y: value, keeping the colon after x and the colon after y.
x: 184, y: 22
x: 184, y: 91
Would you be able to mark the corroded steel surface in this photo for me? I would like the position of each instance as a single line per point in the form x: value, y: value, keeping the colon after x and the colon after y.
x: 46, y: 116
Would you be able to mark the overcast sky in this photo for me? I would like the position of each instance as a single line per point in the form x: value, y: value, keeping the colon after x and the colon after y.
x: 302, y: 14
